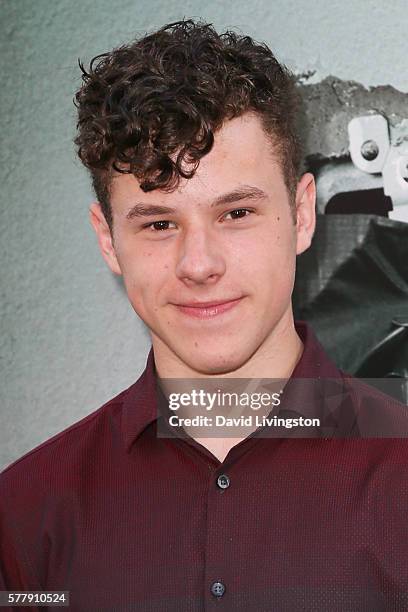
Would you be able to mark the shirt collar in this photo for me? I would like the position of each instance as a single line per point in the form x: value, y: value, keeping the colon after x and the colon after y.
x: 314, y: 361
x: 139, y: 408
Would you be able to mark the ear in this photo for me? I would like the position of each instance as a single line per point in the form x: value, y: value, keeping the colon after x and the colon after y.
x: 104, y: 237
x: 305, y: 212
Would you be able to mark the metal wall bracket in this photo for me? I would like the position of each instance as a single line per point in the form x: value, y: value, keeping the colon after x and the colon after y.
x: 371, y: 151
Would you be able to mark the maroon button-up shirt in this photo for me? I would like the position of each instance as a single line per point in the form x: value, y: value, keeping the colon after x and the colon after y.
x: 125, y: 520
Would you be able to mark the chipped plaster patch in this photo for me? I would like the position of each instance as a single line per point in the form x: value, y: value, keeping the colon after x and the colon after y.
x: 329, y: 105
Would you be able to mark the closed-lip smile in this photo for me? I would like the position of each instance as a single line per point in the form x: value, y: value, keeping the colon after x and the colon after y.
x: 207, y: 310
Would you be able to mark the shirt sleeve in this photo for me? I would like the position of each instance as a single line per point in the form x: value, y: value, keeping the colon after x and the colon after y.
x: 16, y: 573
x: 12, y: 573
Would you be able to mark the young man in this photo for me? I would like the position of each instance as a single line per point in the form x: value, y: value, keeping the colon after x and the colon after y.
x: 190, y: 139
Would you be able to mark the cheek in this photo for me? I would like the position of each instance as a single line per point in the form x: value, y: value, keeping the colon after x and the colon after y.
x: 268, y: 267
x: 268, y: 250
x: 145, y: 278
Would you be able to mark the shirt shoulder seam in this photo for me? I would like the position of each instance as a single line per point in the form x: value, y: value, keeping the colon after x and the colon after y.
x: 86, y: 420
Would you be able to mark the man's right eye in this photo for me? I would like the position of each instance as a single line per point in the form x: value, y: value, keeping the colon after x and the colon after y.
x: 158, y: 226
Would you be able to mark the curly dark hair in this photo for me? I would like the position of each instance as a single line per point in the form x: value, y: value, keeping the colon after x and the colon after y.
x: 151, y: 107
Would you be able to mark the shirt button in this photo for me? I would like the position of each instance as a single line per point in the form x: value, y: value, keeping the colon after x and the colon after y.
x: 223, y: 481
x: 218, y: 589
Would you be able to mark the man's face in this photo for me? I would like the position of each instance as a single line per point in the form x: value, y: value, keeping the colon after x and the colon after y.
x: 212, y: 277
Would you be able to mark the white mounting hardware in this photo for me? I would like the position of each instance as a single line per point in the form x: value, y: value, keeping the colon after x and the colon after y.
x: 371, y: 151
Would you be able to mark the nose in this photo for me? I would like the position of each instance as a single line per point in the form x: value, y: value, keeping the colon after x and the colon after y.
x: 200, y: 259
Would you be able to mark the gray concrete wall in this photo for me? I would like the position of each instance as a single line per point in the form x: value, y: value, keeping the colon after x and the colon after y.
x: 69, y: 339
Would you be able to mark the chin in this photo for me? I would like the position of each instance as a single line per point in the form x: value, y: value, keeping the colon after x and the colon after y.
x: 215, y: 364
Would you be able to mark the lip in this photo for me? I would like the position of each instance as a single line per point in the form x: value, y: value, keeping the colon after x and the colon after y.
x: 207, y: 310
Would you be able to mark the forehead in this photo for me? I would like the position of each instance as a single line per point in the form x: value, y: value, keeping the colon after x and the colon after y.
x: 242, y: 154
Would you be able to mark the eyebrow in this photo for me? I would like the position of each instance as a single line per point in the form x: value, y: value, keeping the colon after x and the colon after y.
x: 244, y: 192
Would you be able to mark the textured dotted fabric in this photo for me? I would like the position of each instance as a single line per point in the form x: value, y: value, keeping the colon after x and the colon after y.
x: 125, y: 520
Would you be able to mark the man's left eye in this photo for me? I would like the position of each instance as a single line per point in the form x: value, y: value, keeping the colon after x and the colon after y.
x: 239, y: 213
